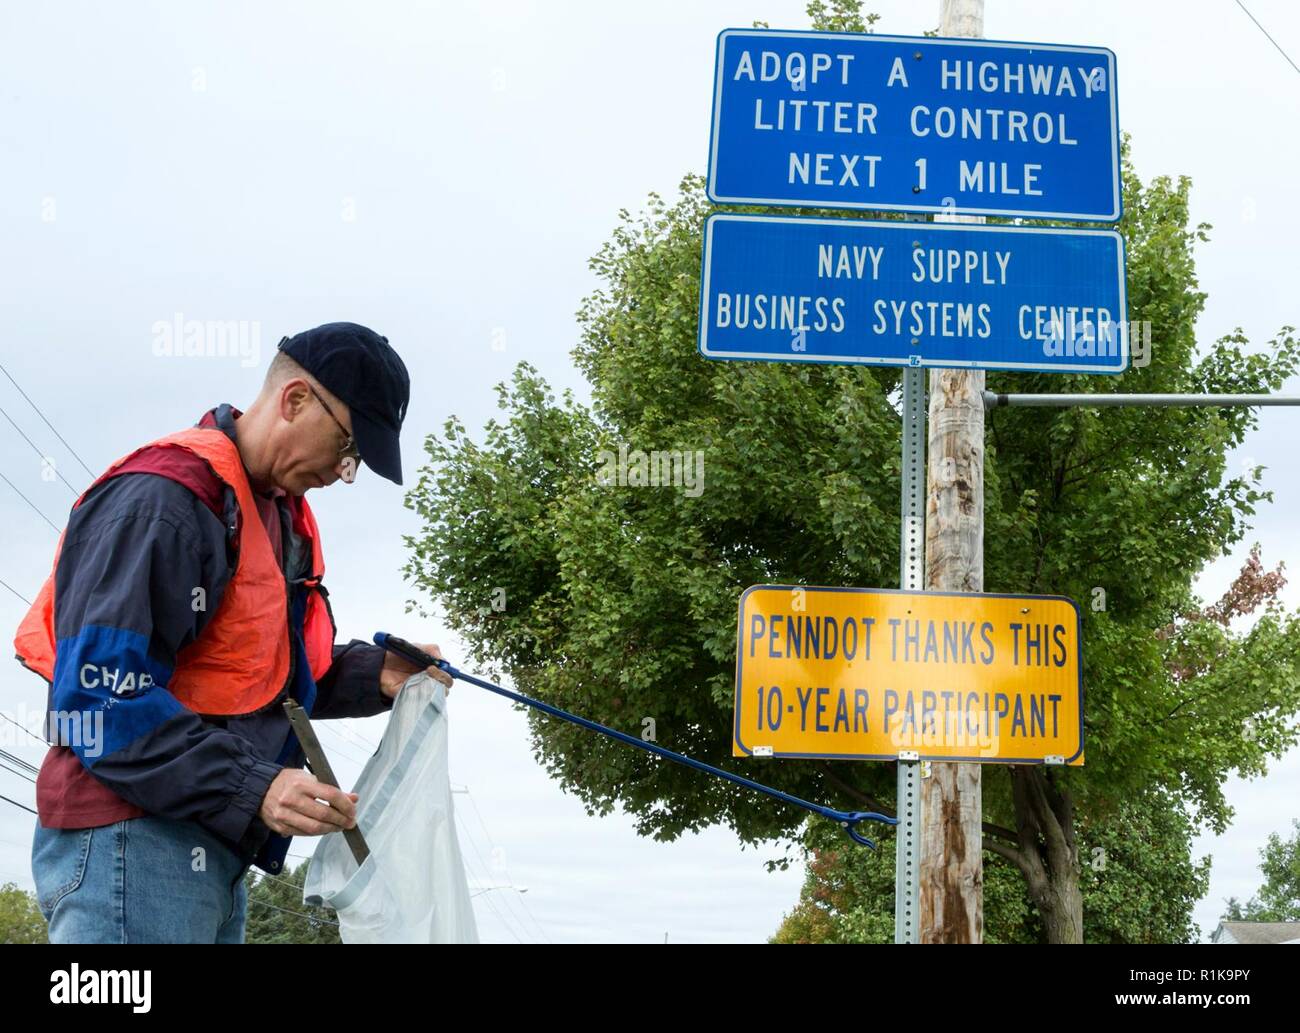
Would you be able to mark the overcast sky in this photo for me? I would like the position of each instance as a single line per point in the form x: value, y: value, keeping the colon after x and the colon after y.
x: 442, y: 172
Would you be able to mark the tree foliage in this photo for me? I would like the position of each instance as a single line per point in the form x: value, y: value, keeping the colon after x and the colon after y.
x: 276, y: 913
x: 21, y: 920
x: 1138, y: 879
x: 1278, y: 900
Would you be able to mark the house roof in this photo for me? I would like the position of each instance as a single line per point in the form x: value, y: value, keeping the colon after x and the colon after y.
x: 1258, y: 932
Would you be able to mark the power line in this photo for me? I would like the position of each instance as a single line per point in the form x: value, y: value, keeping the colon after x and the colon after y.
x: 22, y: 762
x: 33, y: 505
x: 17, y: 804
x: 300, y: 914
x: 349, y: 733
x: 339, y: 748
x: 278, y: 878
x: 16, y: 771
x: 1268, y: 37
x: 15, y: 759
x: 504, y: 867
x: 16, y: 592
x: 10, y: 719
x: 37, y: 449
x: 487, y: 879
x: 47, y: 422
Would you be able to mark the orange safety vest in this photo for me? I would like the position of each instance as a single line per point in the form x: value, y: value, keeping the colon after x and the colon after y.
x: 242, y: 660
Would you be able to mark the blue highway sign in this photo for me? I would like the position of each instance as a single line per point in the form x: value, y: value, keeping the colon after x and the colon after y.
x: 785, y: 289
x: 837, y: 120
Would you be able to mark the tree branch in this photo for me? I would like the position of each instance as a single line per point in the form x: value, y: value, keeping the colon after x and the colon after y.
x: 875, y: 805
x: 1064, y: 807
x: 997, y: 830
x: 1007, y: 853
x: 1051, y: 808
x: 997, y: 443
x: 1030, y: 859
x: 1087, y: 463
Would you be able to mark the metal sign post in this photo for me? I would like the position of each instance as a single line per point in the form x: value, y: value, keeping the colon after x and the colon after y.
x: 911, y: 577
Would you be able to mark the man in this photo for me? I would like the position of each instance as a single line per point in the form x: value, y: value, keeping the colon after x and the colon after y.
x: 184, y: 607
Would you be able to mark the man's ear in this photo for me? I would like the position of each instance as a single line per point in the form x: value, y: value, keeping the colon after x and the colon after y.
x: 294, y: 398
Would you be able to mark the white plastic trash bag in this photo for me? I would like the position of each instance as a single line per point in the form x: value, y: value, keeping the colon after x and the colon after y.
x: 412, y: 887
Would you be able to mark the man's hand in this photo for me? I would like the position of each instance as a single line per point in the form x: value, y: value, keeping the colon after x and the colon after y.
x: 396, y: 670
x: 292, y: 805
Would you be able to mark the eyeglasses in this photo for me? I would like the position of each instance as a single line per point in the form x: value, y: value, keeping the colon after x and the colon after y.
x: 348, y: 450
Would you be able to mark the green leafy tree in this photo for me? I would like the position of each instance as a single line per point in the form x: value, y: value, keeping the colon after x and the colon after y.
x: 1278, y: 900
x: 21, y: 920
x: 1138, y: 881
x: 276, y: 913
x: 620, y: 600
x: 848, y: 895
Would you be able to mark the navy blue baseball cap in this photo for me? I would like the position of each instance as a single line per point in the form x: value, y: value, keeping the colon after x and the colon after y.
x: 359, y: 367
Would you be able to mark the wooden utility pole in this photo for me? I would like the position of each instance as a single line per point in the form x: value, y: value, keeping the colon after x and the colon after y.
x: 951, y: 872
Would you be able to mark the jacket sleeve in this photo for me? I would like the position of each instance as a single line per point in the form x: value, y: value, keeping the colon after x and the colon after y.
x: 350, y: 688
x: 143, y: 567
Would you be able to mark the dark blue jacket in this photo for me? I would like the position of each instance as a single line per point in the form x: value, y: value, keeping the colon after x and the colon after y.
x: 134, y: 553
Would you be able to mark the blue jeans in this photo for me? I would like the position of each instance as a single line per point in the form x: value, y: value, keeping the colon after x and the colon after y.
x: 141, y: 880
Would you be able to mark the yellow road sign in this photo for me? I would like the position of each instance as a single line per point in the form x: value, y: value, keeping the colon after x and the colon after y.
x: 869, y: 673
